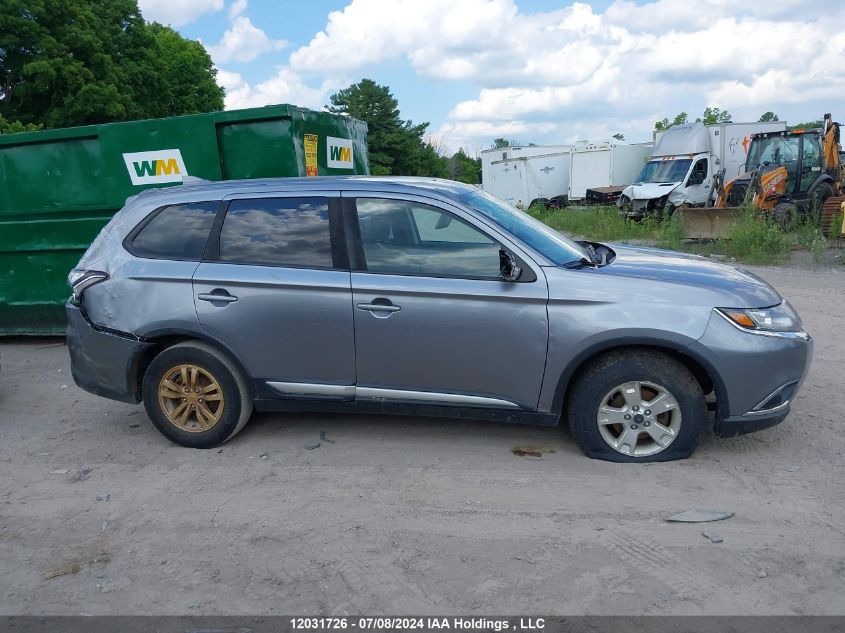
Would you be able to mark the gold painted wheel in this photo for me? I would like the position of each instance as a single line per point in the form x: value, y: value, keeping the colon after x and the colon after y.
x: 191, y: 398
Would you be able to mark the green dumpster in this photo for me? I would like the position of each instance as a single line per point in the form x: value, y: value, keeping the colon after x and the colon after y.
x: 59, y: 187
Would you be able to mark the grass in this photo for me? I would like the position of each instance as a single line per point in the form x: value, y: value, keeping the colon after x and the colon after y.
x: 604, y: 224
x: 754, y: 239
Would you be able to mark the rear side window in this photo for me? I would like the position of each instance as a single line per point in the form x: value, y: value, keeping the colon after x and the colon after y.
x: 178, y: 231
x: 277, y: 232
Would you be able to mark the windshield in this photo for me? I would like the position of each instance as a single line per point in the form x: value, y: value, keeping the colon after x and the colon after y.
x: 664, y: 171
x: 555, y: 247
x: 775, y: 150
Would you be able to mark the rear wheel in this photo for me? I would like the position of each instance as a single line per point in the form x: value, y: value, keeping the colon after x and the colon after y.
x: 195, y: 396
x: 637, y: 406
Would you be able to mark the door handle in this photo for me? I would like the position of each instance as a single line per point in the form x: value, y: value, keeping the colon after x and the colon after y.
x: 217, y: 295
x: 378, y: 307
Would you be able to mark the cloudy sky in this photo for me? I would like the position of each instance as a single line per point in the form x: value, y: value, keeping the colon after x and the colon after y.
x: 530, y: 70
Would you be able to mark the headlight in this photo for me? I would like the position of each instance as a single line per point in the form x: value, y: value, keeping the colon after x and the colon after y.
x: 779, y: 318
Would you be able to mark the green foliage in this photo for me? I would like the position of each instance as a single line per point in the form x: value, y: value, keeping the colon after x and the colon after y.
x: 189, y: 74
x: 432, y: 163
x: 806, y: 125
x: 463, y: 168
x: 76, y: 62
x: 665, y: 123
x: 13, y: 127
x: 768, y: 117
x: 709, y: 117
x: 755, y: 239
x: 499, y: 143
x: 605, y: 224
x: 714, y: 115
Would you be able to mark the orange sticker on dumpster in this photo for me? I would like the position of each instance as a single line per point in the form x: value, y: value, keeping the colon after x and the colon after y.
x: 310, y: 154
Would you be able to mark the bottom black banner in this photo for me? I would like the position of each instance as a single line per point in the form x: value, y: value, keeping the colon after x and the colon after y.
x: 426, y: 623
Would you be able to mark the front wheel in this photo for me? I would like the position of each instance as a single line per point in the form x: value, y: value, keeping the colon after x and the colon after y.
x: 637, y: 406
x: 195, y: 396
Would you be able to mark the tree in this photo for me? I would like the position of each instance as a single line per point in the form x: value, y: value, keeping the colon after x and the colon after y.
x: 188, y: 73
x: 619, y: 136
x: 768, y: 117
x: 665, y: 123
x: 395, y: 146
x: 13, y: 127
x: 75, y: 62
x: 806, y: 125
x: 463, y: 168
x: 714, y: 115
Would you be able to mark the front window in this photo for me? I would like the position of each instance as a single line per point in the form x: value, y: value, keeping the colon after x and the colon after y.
x: 661, y: 171
x: 411, y: 238
x: 555, y: 247
x: 773, y: 150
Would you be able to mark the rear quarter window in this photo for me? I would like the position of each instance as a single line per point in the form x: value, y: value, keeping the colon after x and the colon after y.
x: 178, y: 231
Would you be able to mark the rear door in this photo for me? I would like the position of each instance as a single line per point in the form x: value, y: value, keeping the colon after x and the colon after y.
x: 275, y: 287
x: 434, y: 321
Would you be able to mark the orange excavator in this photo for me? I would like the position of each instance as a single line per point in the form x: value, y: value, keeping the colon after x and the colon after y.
x: 789, y: 174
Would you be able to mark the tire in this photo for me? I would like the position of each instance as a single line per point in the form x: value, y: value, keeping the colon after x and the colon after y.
x: 205, y: 425
x: 819, y: 197
x: 784, y: 215
x: 599, y: 385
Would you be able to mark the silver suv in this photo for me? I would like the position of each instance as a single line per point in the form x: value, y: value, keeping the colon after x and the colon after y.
x: 419, y: 296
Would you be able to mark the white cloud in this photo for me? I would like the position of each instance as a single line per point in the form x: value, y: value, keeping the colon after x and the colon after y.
x: 285, y: 86
x: 576, y: 72
x: 243, y: 42
x: 238, y: 7
x: 177, y: 12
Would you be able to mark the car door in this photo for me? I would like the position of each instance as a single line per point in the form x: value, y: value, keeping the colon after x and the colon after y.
x: 275, y: 287
x: 434, y: 321
x: 698, y: 182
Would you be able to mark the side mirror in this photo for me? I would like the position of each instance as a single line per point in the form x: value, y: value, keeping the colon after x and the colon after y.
x: 509, y: 270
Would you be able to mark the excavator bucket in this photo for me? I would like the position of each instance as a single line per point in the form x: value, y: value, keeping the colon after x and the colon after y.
x: 702, y: 223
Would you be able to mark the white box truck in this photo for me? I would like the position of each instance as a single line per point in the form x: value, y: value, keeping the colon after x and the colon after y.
x: 684, y: 162
x: 490, y: 156
x: 604, y: 164
x: 527, y: 179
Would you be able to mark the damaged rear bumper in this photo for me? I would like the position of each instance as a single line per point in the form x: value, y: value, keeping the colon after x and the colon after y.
x: 102, y: 362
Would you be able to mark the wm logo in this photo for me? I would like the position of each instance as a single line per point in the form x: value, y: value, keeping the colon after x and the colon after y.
x: 339, y: 153
x: 158, y: 167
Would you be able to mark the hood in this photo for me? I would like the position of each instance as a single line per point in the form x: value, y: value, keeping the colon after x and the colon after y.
x: 650, y: 190
x: 741, y: 289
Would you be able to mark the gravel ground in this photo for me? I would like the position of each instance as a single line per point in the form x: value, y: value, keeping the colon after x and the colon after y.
x: 100, y: 515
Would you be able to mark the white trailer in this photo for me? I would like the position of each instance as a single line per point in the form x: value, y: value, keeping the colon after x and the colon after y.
x: 521, y: 181
x: 685, y: 160
x: 490, y: 156
x: 604, y: 164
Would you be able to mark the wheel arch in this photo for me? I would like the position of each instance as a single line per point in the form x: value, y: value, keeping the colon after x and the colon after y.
x: 165, y: 338
x: 700, y: 367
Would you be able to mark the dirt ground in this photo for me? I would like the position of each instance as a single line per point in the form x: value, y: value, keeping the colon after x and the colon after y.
x: 99, y: 514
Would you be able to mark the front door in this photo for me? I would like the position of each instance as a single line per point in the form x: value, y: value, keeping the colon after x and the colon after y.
x: 276, y: 290
x: 434, y: 321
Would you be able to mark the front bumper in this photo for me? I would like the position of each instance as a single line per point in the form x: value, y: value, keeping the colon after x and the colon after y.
x: 102, y: 362
x: 760, y: 374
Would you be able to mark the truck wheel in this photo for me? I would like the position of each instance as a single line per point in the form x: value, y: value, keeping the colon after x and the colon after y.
x: 784, y: 215
x: 195, y: 396
x: 637, y: 406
